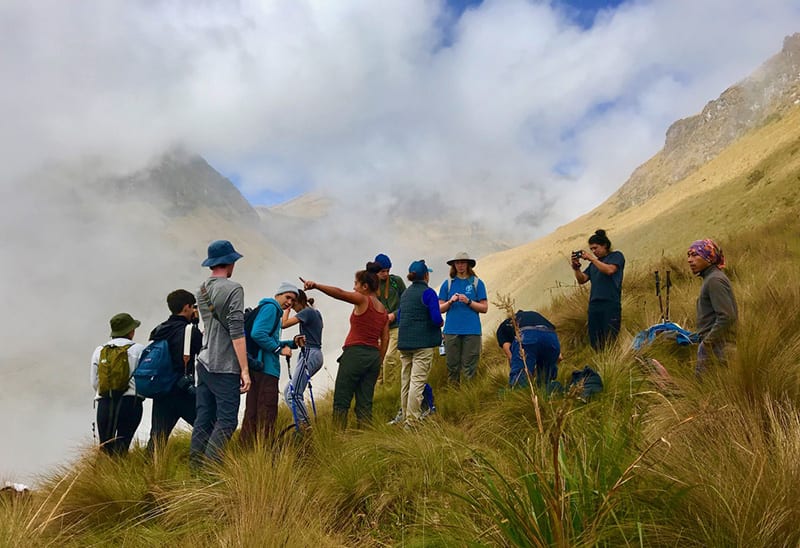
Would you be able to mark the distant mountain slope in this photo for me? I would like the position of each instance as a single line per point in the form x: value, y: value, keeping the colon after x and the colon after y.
x: 82, y: 245
x: 751, y: 179
x: 769, y: 92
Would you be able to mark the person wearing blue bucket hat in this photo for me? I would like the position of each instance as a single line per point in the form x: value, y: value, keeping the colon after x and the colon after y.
x: 221, y: 367
x: 221, y: 252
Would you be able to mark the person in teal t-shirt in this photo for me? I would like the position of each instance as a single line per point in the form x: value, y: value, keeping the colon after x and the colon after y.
x: 462, y: 297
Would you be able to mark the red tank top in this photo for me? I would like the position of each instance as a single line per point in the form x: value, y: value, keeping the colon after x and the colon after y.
x: 366, y: 329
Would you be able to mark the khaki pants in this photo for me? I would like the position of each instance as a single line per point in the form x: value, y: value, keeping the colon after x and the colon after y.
x: 391, y: 362
x: 416, y: 364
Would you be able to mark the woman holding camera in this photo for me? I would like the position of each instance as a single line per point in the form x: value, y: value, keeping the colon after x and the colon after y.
x: 605, y: 272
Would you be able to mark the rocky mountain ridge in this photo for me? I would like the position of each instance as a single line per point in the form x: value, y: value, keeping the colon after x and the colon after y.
x: 762, y: 97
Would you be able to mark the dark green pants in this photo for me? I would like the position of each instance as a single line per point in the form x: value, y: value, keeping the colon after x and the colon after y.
x: 358, y: 371
x: 463, y: 354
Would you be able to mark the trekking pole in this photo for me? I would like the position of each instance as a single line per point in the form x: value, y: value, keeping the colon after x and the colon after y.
x: 291, y: 394
x: 310, y: 391
x: 669, y: 284
x: 658, y: 294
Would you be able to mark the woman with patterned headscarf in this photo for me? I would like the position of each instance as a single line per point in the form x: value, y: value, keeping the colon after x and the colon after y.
x: 716, y: 306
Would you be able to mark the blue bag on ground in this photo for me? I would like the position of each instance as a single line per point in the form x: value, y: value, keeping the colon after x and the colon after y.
x: 155, y: 375
x: 672, y: 330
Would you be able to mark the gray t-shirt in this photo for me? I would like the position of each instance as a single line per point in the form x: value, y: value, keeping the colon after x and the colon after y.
x: 223, y: 326
x: 311, y: 325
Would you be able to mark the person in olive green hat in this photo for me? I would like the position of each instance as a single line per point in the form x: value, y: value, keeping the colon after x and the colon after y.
x: 390, y: 289
x: 119, y: 409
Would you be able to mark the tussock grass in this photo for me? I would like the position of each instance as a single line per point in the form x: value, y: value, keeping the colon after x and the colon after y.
x: 711, y: 463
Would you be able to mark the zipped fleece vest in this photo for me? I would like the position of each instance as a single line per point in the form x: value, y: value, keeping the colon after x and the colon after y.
x: 416, y: 328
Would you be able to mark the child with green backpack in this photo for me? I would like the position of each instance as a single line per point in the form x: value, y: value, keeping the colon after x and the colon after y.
x: 119, y: 409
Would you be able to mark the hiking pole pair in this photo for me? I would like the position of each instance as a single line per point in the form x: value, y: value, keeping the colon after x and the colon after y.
x: 664, y: 315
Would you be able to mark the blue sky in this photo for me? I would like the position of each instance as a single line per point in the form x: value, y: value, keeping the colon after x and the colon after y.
x: 579, y: 12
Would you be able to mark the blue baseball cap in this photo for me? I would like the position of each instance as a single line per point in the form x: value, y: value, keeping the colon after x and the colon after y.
x: 221, y: 252
x: 419, y: 268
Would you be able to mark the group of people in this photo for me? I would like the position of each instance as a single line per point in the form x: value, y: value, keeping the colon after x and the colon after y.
x: 239, y: 353
x: 392, y: 324
x: 535, y: 336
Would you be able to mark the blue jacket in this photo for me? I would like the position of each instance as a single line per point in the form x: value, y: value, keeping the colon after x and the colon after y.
x: 267, y: 334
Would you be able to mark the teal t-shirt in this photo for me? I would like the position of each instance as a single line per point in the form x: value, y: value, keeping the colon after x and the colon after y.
x: 461, y: 319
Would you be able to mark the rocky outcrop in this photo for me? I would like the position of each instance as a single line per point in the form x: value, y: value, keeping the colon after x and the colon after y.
x: 181, y: 183
x: 691, y: 142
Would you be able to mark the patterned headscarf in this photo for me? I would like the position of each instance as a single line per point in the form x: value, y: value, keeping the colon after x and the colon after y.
x: 710, y: 251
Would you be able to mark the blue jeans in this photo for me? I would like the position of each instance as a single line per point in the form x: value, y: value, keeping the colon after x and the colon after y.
x: 542, y: 349
x: 218, y: 400
x: 309, y: 362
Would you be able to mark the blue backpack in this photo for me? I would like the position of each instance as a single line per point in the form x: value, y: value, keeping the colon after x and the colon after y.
x: 155, y: 375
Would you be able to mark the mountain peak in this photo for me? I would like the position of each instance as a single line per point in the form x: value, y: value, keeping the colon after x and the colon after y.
x: 762, y: 97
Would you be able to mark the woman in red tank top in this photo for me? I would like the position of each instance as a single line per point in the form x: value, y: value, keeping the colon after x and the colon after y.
x: 364, y: 347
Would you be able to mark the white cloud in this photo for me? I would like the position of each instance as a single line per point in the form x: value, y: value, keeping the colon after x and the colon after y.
x: 346, y: 95
x: 519, y: 119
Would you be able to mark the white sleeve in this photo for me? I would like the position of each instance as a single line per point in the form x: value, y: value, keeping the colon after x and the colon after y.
x: 93, y: 370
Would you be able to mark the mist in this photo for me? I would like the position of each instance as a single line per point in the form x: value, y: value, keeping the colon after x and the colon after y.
x: 433, y: 130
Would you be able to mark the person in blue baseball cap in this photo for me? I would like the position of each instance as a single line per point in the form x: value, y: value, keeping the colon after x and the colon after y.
x: 419, y: 334
x: 390, y: 289
x: 221, y: 367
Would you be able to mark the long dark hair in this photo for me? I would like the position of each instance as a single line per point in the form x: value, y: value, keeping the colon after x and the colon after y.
x: 303, y: 300
x: 599, y: 237
x: 369, y: 276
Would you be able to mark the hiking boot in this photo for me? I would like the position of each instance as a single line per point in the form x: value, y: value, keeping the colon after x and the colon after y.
x: 398, y: 419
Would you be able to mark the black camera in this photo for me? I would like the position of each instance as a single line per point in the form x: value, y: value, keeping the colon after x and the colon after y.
x: 577, y: 255
x: 186, y: 384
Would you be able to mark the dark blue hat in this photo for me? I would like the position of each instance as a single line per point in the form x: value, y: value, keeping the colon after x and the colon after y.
x: 419, y: 268
x: 221, y: 252
x: 383, y: 260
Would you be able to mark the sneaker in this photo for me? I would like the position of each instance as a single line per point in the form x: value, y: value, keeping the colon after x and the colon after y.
x: 398, y: 419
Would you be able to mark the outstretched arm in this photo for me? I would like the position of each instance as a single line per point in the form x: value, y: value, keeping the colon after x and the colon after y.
x: 352, y: 297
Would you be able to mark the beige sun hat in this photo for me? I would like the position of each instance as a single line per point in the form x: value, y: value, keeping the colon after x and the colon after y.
x: 462, y: 256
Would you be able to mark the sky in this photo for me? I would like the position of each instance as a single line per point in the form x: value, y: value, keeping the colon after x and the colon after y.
x: 517, y: 115
x: 554, y: 101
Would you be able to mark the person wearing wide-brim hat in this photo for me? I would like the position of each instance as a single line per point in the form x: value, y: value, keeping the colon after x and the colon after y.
x: 221, y: 367
x: 119, y: 409
x: 463, y: 297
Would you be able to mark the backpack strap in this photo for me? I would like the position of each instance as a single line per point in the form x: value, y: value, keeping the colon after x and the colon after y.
x: 211, y: 306
x: 187, y: 347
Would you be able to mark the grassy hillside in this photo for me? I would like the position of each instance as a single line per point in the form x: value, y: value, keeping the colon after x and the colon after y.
x: 691, y: 464
x: 751, y: 182
x: 645, y: 463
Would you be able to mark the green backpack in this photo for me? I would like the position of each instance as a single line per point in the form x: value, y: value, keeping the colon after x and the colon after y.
x: 113, y: 371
